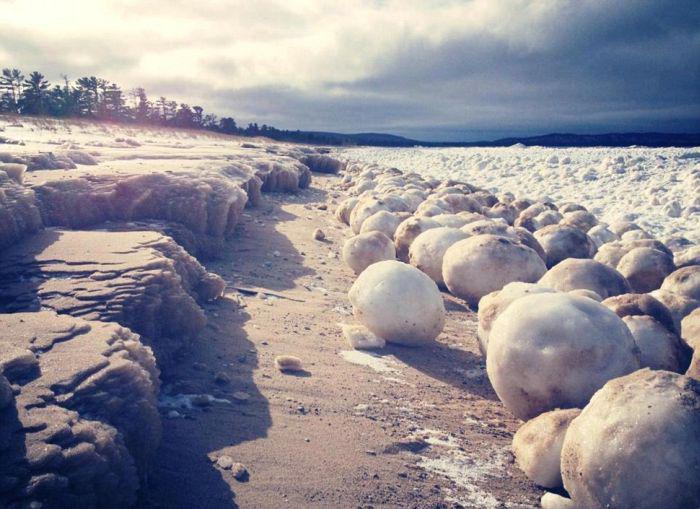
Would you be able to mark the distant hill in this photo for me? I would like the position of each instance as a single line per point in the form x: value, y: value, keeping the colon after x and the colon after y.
x: 603, y: 140
x: 546, y: 140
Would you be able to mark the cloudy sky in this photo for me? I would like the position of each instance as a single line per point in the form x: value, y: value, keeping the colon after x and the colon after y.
x: 432, y: 69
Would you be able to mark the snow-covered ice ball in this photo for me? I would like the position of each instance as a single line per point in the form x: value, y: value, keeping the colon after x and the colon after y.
x: 501, y: 210
x: 451, y: 220
x: 620, y: 227
x: 407, y: 232
x: 342, y: 213
x: 635, y: 445
x: 645, y: 268
x: 554, y: 350
x: 395, y: 203
x: 482, y: 264
x: 398, y: 303
x: 521, y: 204
x: 528, y: 239
x: 494, y: 303
x: 601, y: 235
x: 364, y: 249
x: 554, y: 501
x: 364, y: 208
x: 489, y: 226
x: 578, y: 273
x: 690, y: 329
x: 429, y: 209
x: 678, y: 305
x: 427, y: 251
x: 565, y: 208
x: 537, y: 446
x: 547, y: 218
x: 506, y: 197
x: 584, y: 292
x: 685, y: 282
x: 636, y: 235
x: 363, y: 185
x: 383, y: 221
x: 526, y: 218
x: 562, y: 242
x: 612, y: 252
x: 581, y: 219
x: 462, y: 203
x: 640, y: 304
x: 413, y: 199
x: 659, y: 348
x: 485, y: 198
x: 689, y: 256
x: 471, y: 217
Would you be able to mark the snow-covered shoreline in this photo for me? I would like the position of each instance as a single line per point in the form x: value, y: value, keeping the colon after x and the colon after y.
x: 659, y: 188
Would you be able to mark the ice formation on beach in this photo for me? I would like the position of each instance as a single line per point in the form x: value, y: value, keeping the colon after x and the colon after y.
x: 658, y: 188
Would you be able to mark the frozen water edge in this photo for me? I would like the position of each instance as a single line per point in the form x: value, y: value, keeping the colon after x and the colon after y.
x: 635, y: 183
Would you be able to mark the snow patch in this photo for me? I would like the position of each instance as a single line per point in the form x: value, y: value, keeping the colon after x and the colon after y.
x: 379, y: 363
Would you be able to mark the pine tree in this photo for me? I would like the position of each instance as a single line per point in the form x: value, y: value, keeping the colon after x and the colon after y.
x: 11, y: 89
x: 89, y: 96
x: 35, y: 96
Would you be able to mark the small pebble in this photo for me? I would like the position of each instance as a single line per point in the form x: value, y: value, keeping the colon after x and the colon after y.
x: 318, y: 234
x: 239, y: 471
x: 288, y: 363
x: 225, y: 462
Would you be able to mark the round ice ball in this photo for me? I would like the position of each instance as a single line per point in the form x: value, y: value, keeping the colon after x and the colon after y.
x: 685, y: 282
x: 645, y: 268
x: 578, y: 273
x: 600, y: 234
x: 382, y: 221
x: 659, y: 348
x: 537, y: 446
x: 690, y: 329
x: 427, y: 251
x: 479, y: 265
x: 561, y: 242
x: 554, y: 350
x: 398, y: 303
x: 493, y: 304
x: 363, y: 209
x: 408, y: 231
x: 342, y: 213
x: 361, y: 251
x: 635, y: 445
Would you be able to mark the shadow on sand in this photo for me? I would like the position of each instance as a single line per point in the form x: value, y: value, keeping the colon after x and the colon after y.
x: 459, y: 368
x: 184, y: 475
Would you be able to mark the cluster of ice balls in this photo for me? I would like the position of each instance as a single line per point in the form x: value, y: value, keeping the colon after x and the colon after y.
x: 567, y: 307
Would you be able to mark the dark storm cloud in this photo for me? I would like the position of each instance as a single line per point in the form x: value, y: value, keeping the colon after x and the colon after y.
x: 433, y: 69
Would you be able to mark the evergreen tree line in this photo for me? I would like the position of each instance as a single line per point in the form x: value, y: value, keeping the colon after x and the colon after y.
x: 95, y: 98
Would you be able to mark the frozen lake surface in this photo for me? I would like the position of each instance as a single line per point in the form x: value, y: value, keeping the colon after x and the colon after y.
x: 658, y: 188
